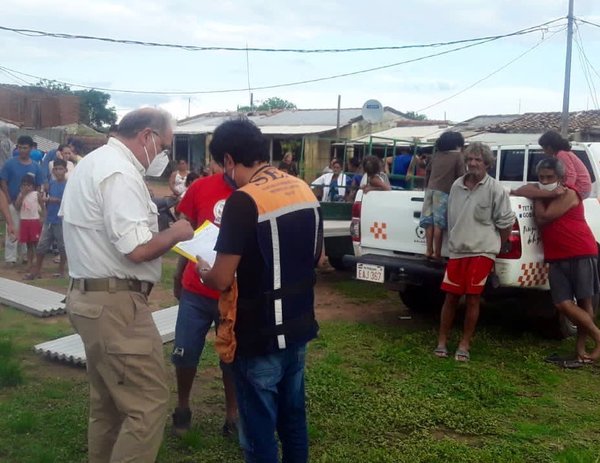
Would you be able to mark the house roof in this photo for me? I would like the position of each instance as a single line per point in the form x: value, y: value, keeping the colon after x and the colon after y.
x: 419, y: 133
x: 482, y: 121
x: 44, y: 144
x: 286, y: 122
x: 496, y: 138
x: 540, y: 122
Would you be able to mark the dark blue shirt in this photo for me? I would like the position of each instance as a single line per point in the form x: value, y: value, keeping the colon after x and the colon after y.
x: 55, y: 190
x: 13, y: 171
x: 400, y: 167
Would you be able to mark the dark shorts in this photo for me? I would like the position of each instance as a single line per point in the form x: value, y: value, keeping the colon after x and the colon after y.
x: 435, y: 209
x: 467, y: 275
x: 51, y: 233
x: 573, y: 279
x: 29, y: 231
x: 195, y: 316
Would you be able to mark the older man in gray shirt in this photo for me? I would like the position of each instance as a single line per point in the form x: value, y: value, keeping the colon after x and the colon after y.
x: 480, y: 219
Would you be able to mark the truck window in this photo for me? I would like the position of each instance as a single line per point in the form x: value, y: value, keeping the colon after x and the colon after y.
x: 492, y: 169
x: 512, y: 163
x: 581, y: 154
x: 535, y: 156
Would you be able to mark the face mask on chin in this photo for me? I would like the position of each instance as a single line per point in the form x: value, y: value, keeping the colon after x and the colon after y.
x: 548, y: 186
x: 158, y: 164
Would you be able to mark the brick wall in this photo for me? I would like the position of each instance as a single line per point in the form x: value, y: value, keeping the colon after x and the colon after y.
x: 37, y: 108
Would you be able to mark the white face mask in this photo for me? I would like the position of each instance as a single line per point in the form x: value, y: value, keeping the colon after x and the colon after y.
x: 158, y: 164
x: 548, y: 186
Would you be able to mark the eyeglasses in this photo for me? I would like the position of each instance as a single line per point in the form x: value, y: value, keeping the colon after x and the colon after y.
x: 163, y: 147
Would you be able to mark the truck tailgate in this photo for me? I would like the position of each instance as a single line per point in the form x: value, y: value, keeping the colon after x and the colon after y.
x: 390, y: 221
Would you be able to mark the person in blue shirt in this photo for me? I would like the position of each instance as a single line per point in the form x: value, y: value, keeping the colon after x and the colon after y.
x: 398, y: 165
x: 52, y: 231
x: 49, y: 157
x: 11, y: 174
x: 36, y: 154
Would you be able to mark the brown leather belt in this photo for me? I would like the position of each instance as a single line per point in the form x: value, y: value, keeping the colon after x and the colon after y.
x: 111, y: 285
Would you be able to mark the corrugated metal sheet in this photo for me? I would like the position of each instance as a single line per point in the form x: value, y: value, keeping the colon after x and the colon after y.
x: 505, y: 138
x: 31, y: 299
x: 422, y: 133
x: 70, y: 348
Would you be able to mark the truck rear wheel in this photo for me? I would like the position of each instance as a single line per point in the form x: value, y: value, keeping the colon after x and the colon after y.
x: 422, y: 298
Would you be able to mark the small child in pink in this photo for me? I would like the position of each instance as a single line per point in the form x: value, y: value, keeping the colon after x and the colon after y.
x: 29, y: 204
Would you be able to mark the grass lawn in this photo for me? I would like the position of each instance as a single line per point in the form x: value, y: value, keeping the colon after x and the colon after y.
x: 375, y: 394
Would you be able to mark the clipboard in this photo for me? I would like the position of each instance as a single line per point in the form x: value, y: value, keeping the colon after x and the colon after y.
x: 202, y: 244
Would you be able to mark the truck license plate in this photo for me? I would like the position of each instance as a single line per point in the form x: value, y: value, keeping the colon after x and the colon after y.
x: 368, y: 272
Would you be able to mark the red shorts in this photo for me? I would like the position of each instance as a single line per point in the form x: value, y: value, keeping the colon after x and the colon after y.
x: 30, y: 231
x: 467, y: 275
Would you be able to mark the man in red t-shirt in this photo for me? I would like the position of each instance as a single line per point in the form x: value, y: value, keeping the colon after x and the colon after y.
x: 198, y: 305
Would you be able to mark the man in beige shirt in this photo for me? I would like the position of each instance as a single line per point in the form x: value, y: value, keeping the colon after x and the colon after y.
x: 114, y: 247
x: 480, y: 219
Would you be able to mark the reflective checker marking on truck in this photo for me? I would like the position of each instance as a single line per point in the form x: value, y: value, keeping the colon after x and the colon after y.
x: 533, y: 274
x: 379, y: 231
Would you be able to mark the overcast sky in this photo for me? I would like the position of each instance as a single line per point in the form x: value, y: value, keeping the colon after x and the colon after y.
x: 532, y: 83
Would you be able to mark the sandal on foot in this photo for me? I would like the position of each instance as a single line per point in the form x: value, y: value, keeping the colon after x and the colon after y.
x: 441, y: 352
x: 462, y: 355
x: 30, y: 276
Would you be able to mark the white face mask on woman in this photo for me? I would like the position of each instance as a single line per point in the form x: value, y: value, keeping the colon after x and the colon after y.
x: 548, y: 186
x: 158, y: 164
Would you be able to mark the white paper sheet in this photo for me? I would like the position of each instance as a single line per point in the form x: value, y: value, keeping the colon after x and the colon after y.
x: 202, y: 244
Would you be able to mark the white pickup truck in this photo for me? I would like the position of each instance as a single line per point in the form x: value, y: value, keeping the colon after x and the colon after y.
x: 390, y: 244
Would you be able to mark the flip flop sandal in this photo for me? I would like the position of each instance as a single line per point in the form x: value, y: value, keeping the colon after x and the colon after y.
x: 462, y: 355
x: 29, y: 276
x: 559, y: 359
x: 441, y: 352
x: 572, y: 364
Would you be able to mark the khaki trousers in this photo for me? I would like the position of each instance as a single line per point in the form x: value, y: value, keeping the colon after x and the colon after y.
x: 127, y: 374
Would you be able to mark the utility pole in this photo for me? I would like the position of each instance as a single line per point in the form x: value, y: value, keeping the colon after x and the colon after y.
x: 564, y: 120
x: 337, y: 125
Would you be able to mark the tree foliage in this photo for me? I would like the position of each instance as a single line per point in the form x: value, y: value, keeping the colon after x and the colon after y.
x: 415, y: 116
x: 94, y: 110
x: 269, y: 104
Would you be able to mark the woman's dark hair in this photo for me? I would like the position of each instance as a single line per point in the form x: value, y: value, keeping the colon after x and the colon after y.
x: 190, y: 178
x: 372, y: 165
x: 61, y: 147
x: 554, y: 140
x: 242, y: 140
x: 449, y: 141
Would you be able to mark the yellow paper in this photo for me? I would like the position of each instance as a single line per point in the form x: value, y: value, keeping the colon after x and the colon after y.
x: 202, y: 244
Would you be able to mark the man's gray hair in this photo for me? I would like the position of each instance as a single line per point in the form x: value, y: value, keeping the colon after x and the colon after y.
x: 551, y: 163
x: 483, y: 150
x: 137, y: 120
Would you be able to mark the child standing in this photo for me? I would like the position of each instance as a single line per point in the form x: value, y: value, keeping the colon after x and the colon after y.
x: 446, y: 165
x: 29, y: 204
x: 52, y: 231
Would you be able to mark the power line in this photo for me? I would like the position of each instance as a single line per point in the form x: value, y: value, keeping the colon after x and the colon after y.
x: 39, y: 33
x: 264, y: 87
x: 587, y: 22
x: 585, y: 66
x: 489, y: 75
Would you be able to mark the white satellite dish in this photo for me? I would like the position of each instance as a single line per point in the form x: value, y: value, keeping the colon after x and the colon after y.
x: 372, y: 111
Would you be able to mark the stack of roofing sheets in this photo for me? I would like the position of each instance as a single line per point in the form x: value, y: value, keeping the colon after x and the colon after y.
x: 70, y: 348
x: 31, y: 299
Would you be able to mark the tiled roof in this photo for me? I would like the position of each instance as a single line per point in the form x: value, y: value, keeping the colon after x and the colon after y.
x: 540, y: 122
